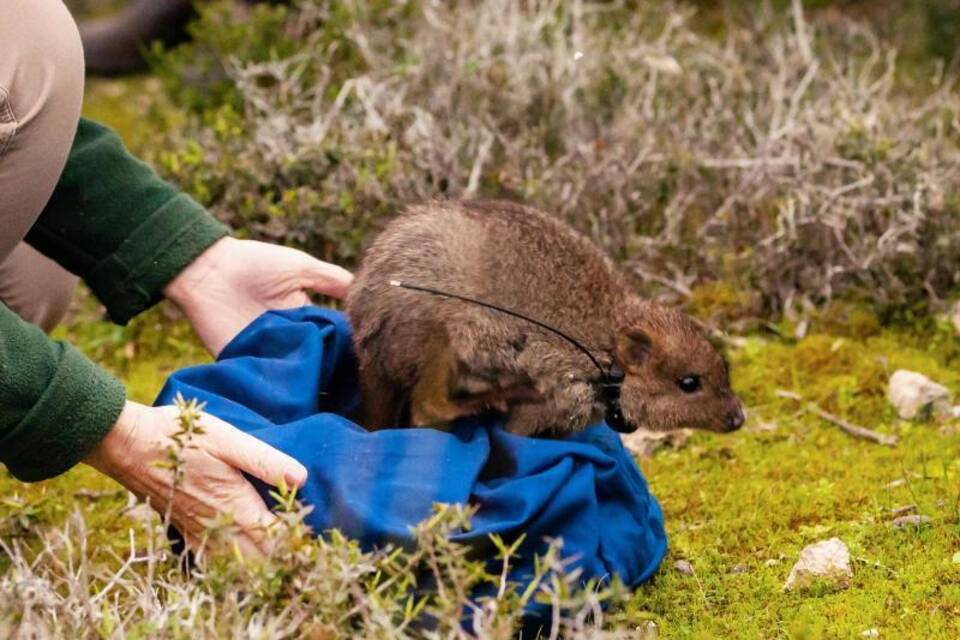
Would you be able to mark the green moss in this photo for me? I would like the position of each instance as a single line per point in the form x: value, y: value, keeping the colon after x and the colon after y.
x: 849, y: 320
x: 750, y: 498
x: 722, y: 301
x: 754, y: 498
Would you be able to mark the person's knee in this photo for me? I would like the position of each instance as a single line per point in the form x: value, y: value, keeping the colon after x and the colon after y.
x: 41, y: 60
x: 41, y: 91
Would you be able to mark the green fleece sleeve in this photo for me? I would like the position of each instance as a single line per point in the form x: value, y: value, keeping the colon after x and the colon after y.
x: 55, y: 405
x: 114, y: 222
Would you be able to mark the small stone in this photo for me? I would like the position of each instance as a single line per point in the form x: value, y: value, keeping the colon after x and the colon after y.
x: 683, y: 567
x: 910, y: 521
x: 870, y: 633
x: 739, y: 568
x: 915, y: 395
x: 904, y: 510
x: 829, y: 559
x: 772, y: 562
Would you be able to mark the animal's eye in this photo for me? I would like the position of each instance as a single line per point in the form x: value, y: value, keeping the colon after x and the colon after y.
x: 689, y: 384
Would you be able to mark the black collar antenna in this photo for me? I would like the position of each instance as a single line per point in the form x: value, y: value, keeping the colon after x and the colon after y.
x: 611, y: 378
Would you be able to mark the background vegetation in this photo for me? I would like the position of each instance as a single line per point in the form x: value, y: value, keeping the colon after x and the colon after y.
x: 794, y: 182
x: 792, y: 161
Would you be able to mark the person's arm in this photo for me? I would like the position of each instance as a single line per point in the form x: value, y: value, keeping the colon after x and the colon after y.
x: 115, y: 223
x: 55, y: 405
x: 57, y: 408
x: 134, y: 238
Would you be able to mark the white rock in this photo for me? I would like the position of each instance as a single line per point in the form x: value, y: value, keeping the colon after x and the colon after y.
x: 684, y: 567
x: 870, y: 633
x: 829, y: 559
x: 913, y: 394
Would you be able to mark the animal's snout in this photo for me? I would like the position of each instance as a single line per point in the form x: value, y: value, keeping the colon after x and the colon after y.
x: 735, y: 418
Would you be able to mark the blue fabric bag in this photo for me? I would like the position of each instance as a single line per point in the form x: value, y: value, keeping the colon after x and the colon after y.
x: 290, y: 378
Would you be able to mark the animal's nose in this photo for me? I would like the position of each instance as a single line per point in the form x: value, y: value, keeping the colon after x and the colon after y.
x: 735, y: 419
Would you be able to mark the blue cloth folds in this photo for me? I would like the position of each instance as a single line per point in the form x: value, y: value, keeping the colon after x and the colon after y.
x: 290, y: 379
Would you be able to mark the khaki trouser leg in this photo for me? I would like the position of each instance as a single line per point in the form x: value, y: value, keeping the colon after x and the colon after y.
x: 35, y: 287
x: 41, y: 89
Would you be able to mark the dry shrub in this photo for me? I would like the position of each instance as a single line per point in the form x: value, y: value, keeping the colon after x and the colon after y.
x: 788, y: 158
x: 54, y: 584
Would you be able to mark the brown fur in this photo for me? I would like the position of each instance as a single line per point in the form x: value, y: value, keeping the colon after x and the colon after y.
x: 440, y: 359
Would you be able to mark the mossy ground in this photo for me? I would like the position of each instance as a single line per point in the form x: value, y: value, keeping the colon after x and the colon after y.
x: 754, y: 498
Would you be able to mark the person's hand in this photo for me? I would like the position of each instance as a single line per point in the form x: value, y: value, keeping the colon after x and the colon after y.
x: 211, y: 484
x: 234, y: 281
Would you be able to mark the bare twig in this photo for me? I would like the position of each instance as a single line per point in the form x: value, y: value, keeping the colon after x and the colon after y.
x: 851, y: 429
x: 483, y: 151
x: 675, y: 284
x: 800, y: 25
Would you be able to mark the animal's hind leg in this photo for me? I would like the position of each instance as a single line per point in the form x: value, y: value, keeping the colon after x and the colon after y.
x: 430, y: 401
x: 484, y: 369
x: 383, y: 402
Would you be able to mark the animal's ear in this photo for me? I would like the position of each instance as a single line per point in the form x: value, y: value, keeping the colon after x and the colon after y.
x: 633, y: 345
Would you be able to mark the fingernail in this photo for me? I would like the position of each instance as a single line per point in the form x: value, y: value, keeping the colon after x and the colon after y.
x: 298, y: 477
